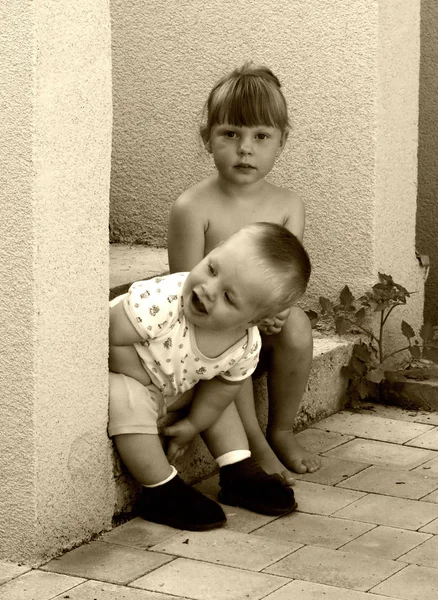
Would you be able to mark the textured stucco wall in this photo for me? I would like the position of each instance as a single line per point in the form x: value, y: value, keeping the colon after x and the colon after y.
x: 427, y: 221
x: 55, y: 462
x: 396, y: 152
x: 166, y: 57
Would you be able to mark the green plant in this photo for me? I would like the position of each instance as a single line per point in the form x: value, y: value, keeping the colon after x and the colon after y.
x: 369, y: 361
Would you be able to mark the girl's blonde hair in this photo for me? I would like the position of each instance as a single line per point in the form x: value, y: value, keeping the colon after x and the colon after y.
x: 249, y: 96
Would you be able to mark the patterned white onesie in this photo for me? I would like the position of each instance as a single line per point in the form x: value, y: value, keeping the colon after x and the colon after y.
x: 169, y: 352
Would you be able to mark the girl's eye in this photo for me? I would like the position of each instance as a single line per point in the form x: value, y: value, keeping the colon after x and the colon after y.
x: 211, y: 269
x: 228, y: 298
x: 230, y: 134
x: 262, y: 136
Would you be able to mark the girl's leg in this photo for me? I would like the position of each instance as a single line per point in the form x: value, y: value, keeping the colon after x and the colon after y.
x: 258, y: 444
x: 243, y: 482
x: 290, y: 359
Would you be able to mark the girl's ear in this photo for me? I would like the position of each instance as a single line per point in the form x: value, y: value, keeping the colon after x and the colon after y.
x: 283, y: 141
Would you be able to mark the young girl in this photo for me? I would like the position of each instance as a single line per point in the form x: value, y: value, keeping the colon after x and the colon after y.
x: 245, y: 129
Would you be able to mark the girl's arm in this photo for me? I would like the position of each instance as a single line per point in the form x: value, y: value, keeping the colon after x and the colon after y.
x: 185, y: 236
x: 296, y: 218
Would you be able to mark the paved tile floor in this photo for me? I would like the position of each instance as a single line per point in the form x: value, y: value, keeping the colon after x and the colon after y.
x: 366, y: 528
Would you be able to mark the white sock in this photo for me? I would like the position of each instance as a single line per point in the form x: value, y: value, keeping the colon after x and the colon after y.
x: 171, y: 476
x: 232, y: 457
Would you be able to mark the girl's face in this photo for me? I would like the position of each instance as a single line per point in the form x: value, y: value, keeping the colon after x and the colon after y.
x: 245, y: 155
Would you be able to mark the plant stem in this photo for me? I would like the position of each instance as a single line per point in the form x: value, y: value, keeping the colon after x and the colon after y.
x: 395, y: 352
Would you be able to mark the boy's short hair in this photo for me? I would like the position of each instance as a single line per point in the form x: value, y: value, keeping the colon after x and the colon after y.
x: 249, y: 96
x: 285, y: 261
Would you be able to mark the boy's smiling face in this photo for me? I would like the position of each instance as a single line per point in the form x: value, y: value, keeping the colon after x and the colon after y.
x: 227, y: 289
x: 243, y: 154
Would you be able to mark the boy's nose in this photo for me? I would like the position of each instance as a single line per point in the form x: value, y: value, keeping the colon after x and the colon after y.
x: 209, y: 291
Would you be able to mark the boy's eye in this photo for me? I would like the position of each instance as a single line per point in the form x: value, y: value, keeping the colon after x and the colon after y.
x: 228, y: 298
x: 211, y: 269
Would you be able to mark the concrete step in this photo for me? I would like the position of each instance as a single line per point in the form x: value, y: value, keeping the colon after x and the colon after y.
x: 323, y: 397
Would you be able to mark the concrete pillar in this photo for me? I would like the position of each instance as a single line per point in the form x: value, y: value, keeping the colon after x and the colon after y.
x: 55, y: 142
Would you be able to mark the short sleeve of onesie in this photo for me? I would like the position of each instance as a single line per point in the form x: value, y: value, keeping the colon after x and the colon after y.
x: 152, y: 305
x: 246, y: 365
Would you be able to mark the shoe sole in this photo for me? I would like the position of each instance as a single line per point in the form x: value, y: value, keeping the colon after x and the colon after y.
x: 184, y: 526
x: 271, y: 511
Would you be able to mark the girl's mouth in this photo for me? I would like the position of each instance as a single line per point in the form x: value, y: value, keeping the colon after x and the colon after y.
x: 244, y: 166
x: 198, y: 304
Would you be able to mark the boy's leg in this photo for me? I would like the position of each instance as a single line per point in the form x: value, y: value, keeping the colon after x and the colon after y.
x: 258, y: 444
x: 165, y: 498
x: 290, y: 359
x: 243, y: 482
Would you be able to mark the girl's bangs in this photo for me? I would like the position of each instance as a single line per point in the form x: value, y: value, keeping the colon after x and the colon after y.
x: 250, y: 105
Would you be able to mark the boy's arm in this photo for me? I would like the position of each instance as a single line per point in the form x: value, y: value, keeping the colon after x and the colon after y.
x: 121, y: 331
x: 185, y: 236
x: 211, y: 399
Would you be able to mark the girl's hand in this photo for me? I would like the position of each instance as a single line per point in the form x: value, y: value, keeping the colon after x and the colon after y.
x: 181, y: 434
x: 275, y: 324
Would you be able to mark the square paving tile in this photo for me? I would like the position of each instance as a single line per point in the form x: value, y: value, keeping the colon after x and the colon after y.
x: 10, y: 570
x: 382, y: 453
x: 107, y: 562
x: 99, y: 590
x: 426, y: 440
x: 37, y: 585
x: 425, y: 555
x: 199, y: 580
x: 332, y: 471
x: 433, y: 497
x: 430, y: 467
x: 314, y: 529
x: 306, y: 590
x: 386, y: 542
x: 392, y: 482
x: 413, y: 583
x: 333, y: 567
x: 431, y: 527
x: 393, y: 512
x: 321, y: 499
x: 230, y: 548
x: 318, y: 440
x: 403, y: 414
x: 373, y: 427
x: 139, y: 533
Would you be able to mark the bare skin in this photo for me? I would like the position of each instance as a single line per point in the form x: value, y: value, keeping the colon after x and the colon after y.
x: 201, y: 218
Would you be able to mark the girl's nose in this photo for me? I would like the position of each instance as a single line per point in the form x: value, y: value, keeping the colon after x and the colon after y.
x: 245, y: 146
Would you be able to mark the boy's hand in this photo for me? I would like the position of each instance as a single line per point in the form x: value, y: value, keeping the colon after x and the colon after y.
x: 182, y: 433
x: 275, y: 324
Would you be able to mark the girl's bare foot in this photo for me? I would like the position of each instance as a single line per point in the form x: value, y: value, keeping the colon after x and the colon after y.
x: 292, y: 454
x: 269, y: 462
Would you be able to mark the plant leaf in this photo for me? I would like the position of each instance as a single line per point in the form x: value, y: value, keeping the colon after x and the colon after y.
x: 360, y: 316
x: 326, y: 305
x: 313, y: 317
x: 341, y: 325
x: 376, y: 375
x: 426, y: 332
x: 362, y: 352
x: 363, y: 389
x: 407, y: 330
x: 346, y: 297
x: 415, y: 352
